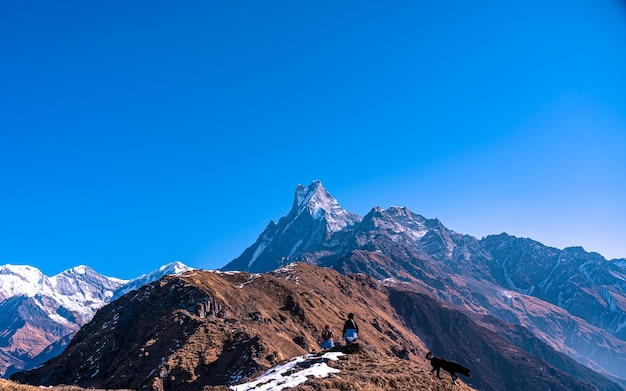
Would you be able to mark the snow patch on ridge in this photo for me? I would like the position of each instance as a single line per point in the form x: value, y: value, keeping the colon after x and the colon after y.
x: 257, y: 252
x: 292, y: 373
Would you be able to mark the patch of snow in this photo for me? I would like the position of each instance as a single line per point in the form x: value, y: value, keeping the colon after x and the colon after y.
x: 257, y: 252
x: 252, y: 278
x: 294, y: 248
x: 227, y: 273
x: 506, y: 297
x: 584, y: 268
x: 59, y: 319
x: 616, y: 275
x: 507, y: 276
x: 287, y: 376
x: 79, y: 269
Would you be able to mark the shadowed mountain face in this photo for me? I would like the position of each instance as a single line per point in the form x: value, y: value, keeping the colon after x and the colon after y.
x: 572, y: 300
x: 584, y: 284
x: 205, y: 329
x: 447, y: 330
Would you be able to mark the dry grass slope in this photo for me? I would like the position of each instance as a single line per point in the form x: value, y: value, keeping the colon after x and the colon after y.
x: 369, y: 371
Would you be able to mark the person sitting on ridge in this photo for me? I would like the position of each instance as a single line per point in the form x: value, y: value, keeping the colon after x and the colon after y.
x: 327, y: 338
x: 350, y: 330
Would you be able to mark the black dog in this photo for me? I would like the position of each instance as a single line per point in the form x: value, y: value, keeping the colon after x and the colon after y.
x: 449, y: 366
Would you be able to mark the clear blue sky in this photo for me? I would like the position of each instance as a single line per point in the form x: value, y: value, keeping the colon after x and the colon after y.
x: 137, y: 133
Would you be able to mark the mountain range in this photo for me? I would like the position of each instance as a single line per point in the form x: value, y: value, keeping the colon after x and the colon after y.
x: 209, y: 330
x: 521, y: 314
x: 40, y: 314
x: 573, y: 300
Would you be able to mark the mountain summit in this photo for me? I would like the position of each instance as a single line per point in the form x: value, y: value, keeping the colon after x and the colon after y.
x: 315, y: 201
x: 316, y: 226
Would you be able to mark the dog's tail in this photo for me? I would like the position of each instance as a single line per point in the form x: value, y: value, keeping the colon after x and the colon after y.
x: 429, y: 355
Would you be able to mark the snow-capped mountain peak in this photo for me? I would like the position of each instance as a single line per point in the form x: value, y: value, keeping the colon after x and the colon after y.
x: 315, y: 221
x: 20, y: 280
x: 51, y: 308
x: 305, y: 193
x: 176, y: 267
x: 399, y: 220
x: 317, y: 202
x: 82, y: 290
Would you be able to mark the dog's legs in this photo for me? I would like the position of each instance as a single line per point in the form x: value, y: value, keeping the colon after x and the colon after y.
x: 454, y: 377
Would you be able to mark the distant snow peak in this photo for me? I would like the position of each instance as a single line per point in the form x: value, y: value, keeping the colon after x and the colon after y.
x: 24, y: 272
x: 317, y: 202
x: 21, y: 280
x: 304, y: 194
x: 175, y: 267
x: 52, y: 307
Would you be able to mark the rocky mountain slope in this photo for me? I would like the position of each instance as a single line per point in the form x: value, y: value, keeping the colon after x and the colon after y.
x: 207, y: 330
x: 39, y: 314
x: 585, y: 284
x: 572, y: 300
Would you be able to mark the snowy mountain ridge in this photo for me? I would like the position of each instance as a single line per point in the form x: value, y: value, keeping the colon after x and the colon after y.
x: 47, y: 309
x: 174, y: 268
x: 79, y: 290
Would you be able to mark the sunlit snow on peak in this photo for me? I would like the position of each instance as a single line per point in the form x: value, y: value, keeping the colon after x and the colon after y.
x: 80, y: 269
x: 320, y: 204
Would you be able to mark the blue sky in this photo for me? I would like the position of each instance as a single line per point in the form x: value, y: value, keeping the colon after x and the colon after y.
x: 137, y: 133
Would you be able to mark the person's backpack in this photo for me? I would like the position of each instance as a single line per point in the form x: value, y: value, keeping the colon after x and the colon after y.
x: 327, y: 334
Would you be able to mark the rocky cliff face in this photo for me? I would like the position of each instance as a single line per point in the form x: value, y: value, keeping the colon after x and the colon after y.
x: 216, y: 329
x: 572, y: 300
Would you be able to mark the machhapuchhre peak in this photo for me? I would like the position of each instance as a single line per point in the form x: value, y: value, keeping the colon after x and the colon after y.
x: 520, y: 315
